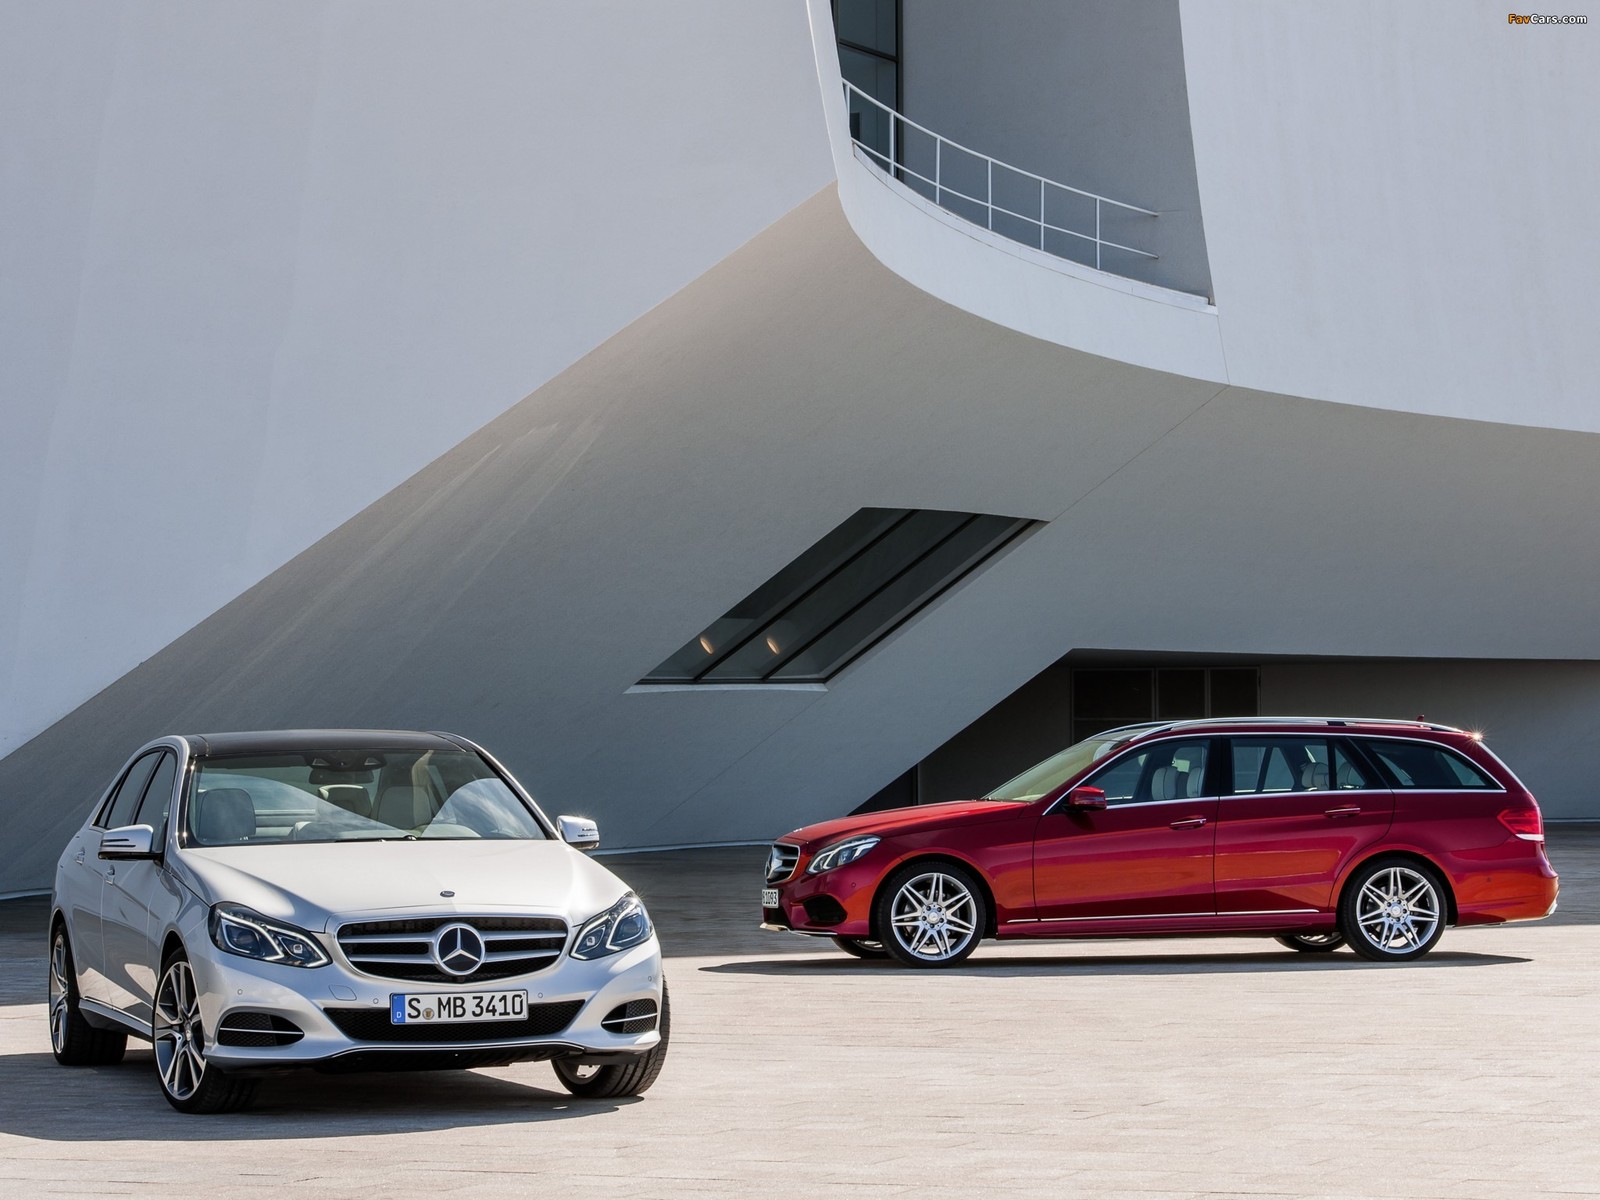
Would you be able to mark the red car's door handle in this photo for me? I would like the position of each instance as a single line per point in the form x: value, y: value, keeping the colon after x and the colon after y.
x: 1189, y: 823
x: 1348, y: 810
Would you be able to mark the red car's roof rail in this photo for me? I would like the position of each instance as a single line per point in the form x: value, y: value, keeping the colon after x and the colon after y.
x: 1166, y: 726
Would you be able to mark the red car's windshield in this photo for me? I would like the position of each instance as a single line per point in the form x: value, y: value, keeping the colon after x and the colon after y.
x: 1046, y: 777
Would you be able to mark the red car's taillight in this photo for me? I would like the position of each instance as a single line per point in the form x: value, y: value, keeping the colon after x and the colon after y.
x: 1524, y: 822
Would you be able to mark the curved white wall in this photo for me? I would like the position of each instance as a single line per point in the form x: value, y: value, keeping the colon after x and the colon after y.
x: 1001, y: 280
x: 1399, y: 203
x: 260, y: 263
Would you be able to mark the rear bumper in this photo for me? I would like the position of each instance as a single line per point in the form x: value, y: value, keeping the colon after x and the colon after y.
x: 1521, y: 891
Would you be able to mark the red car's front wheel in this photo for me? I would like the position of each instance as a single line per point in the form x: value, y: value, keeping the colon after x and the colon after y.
x: 930, y: 914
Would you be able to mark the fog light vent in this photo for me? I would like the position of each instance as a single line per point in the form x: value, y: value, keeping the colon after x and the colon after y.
x: 636, y: 1016
x: 256, y: 1029
x: 824, y: 910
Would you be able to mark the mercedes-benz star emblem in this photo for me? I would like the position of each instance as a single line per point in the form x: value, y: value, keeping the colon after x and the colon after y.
x: 772, y: 862
x: 458, y: 949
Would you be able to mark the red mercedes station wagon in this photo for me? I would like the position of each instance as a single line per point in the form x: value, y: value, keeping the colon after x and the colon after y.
x: 1316, y: 831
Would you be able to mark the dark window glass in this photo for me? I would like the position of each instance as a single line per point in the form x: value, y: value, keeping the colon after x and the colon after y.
x: 869, y: 24
x: 1116, y: 695
x: 1348, y: 774
x: 918, y: 583
x: 1235, y: 692
x: 158, y: 796
x: 1280, y: 764
x: 125, y: 803
x: 868, y: 33
x: 1161, y: 771
x: 783, y: 590
x: 860, y: 582
x: 1109, y: 699
x: 1180, y: 695
x: 1419, y: 765
x: 878, y: 78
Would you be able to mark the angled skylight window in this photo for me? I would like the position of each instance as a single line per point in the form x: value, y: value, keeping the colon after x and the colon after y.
x: 865, y: 579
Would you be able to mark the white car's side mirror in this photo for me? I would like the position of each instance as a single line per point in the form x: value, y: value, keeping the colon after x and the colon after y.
x: 579, y: 832
x: 130, y: 841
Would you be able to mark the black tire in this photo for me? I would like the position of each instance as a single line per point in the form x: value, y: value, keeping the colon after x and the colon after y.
x: 616, y: 1080
x: 960, y: 898
x: 861, y: 948
x: 74, y: 1041
x: 188, y: 1081
x: 1313, y: 943
x: 1393, y: 910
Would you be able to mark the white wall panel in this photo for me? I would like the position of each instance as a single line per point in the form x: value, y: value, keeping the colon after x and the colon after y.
x: 1399, y: 203
x: 260, y: 263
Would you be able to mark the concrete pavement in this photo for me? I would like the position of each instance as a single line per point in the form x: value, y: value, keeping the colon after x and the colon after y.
x: 1117, y: 1069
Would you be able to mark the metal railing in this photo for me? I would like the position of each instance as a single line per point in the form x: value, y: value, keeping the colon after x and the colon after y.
x: 949, y: 174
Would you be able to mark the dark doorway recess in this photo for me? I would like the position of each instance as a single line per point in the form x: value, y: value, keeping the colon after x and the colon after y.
x: 1076, y: 697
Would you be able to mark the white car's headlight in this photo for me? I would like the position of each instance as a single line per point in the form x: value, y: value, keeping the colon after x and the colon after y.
x: 840, y: 853
x: 245, y: 932
x: 622, y: 925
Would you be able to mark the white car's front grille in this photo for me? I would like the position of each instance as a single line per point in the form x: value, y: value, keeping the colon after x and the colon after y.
x: 406, y: 949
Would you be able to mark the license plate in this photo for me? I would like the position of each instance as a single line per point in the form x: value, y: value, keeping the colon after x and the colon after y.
x: 769, y: 897
x: 434, y: 1008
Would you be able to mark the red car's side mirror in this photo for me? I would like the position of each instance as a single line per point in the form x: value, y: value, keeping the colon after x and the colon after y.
x: 1086, y: 798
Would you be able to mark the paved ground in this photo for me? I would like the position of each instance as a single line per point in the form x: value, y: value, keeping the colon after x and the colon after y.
x: 1182, y: 1068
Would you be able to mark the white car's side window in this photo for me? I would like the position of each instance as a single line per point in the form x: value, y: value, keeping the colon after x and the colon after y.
x: 122, y: 806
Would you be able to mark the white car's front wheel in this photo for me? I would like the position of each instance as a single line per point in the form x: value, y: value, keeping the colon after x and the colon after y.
x: 614, y: 1080
x: 178, y: 1034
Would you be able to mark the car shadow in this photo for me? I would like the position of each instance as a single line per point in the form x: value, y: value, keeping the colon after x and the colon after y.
x: 41, y: 1099
x: 1121, y: 964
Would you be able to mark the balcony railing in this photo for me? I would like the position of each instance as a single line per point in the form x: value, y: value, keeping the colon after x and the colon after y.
x: 1006, y: 200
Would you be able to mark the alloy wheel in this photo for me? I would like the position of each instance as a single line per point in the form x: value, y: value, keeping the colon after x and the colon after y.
x: 60, y: 993
x: 179, y: 1035
x: 1321, y: 939
x: 934, y: 916
x: 1398, y: 910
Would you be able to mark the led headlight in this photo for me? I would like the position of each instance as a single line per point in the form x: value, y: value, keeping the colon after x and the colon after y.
x: 840, y: 853
x: 245, y: 932
x: 622, y: 925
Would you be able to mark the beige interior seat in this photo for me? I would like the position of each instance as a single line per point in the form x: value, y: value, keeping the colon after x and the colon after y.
x: 1164, y: 783
x: 403, y: 806
x: 351, y: 797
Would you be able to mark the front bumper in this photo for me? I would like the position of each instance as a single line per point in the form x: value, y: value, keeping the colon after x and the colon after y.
x: 315, y: 1000
x: 836, y: 903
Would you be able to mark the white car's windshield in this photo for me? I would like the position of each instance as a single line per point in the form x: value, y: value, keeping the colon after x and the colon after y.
x: 353, y: 795
x: 1046, y: 777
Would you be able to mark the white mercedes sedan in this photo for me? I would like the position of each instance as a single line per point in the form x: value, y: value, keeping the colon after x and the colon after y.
x: 345, y: 900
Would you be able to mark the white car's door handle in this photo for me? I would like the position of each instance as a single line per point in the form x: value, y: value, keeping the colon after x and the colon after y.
x: 78, y: 858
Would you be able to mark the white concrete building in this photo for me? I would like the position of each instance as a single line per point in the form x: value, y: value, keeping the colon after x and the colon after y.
x: 462, y: 367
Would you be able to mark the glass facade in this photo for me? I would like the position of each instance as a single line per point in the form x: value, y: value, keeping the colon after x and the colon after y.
x: 861, y: 581
x: 1106, y: 698
x: 869, y: 57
